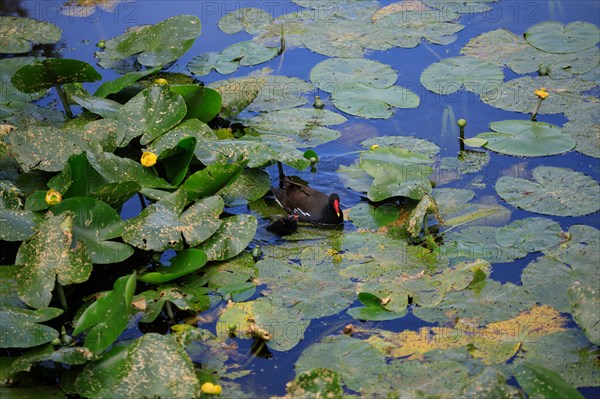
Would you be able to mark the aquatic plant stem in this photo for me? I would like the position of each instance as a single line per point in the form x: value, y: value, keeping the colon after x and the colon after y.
x: 536, y: 110
x: 64, y: 101
x: 61, y: 295
x: 169, y: 311
x: 142, y: 201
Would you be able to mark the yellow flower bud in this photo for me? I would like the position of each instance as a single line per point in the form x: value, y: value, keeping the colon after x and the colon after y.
x: 161, y: 81
x: 374, y: 146
x: 148, y: 159
x: 542, y: 93
x: 53, y: 197
x: 211, y: 389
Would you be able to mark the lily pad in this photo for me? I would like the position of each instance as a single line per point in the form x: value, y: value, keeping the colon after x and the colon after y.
x: 185, y: 262
x: 373, y: 309
x: 554, y: 191
x: 368, y: 102
x: 116, y: 169
x: 305, y: 127
x: 227, y: 61
x: 51, y: 254
x: 365, y: 216
x: 530, y: 234
x: 231, y: 238
x: 152, y: 45
x: 587, y: 137
x: 20, y: 328
x: 480, y: 242
x: 527, y: 138
x: 554, y: 37
x: 153, y: 365
x: 280, y: 92
x: 248, y: 19
x: 314, y: 383
x: 8, y: 92
x: 251, y: 185
x: 538, y: 380
x: 107, y: 317
x: 94, y: 223
x: 50, y: 72
x: 328, y: 75
x: 355, y: 360
x: 450, y: 74
x: 18, y: 34
x: 16, y: 225
x: 410, y: 143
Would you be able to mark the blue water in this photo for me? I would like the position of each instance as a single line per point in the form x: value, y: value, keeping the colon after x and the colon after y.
x: 81, y: 34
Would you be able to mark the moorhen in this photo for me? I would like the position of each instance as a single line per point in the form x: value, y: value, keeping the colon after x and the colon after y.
x: 310, y: 205
x: 284, y: 226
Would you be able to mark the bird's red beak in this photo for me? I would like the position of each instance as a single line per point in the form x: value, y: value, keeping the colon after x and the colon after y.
x: 336, y: 207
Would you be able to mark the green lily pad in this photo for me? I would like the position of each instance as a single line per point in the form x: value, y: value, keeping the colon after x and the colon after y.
x: 17, y: 35
x: 467, y: 7
x: 118, y: 84
x: 248, y: 19
x: 251, y: 185
x: 530, y: 234
x: 368, y: 102
x: 396, y: 172
x: 50, y: 72
x: 304, y: 127
x: 410, y: 143
x: 328, y: 75
x: 527, y: 138
x: 150, y: 113
x: 107, y: 317
x: 50, y: 254
x: 94, y: 223
x: 584, y: 302
x: 450, y: 74
x: 202, y: 103
x: 355, y: 360
x: 231, y: 238
x: 554, y: 191
x: 366, y: 216
x: 314, y: 383
x: 407, y: 27
x: 237, y: 93
x: 164, y: 225
x: 373, y: 309
x: 554, y: 37
x: 176, y: 160
x: 20, y: 328
x: 227, y: 61
x: 152, y: 45
x: 538, y: 380
x: 188, y: 128
x: 211, y: 180
x: 234, y: 271
x: 185, y: 262
x: 480, y: 242
x: 8, y: 92
x: 587, y: 137
x: 281, y: 327
x: 280, y: 92
x: 116, y: 169
x: 16, y: 225
x: 153, y: 365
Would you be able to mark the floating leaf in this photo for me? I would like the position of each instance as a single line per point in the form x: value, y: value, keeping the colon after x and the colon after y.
x: 537, y: 380
x: 365, y: 216
x: 450, y: 74
x: 152, y: 45
x: 227, y: 61
x: 328, y: 75
x: 115, y: 86
x: 251, y: 185
x: 554, y: 37
x: 554, y: 191
x: 530, y: 234
x: 355, y: 360
x: 281, y: 327
x: 248, y: 19
x: 107, y: 317
x: 153, y: 365
x: 116, y: 169
x: 480, y: 242
x: 20, y: 328
x: 304, y: 127
x: 50, y: 72
x: 50, y: 254
x: 16, y: 225
x: 185, y: 262
x: 238, y: 93
x: 314, y: 383
x: 231, y: 238
x: 368, y: 102
x: 150, y: 113
x: 280, y: 92
x: 94, y: 223
x: 410, y: 143
x: 202, y: 103
x: 18, y: 34
x: 8, y: 92
x: 211, y: 180
x: 527, y: 138
x: 373, y: 309
x: 587, y: 137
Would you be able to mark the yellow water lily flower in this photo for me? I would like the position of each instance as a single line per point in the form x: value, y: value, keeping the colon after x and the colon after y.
x: 161, y: 81
x: 211, y: 389
x: 374, y: 146
x: 148, y: 159
x: 542, y: 93
x: 53, y: 197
